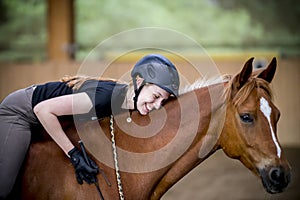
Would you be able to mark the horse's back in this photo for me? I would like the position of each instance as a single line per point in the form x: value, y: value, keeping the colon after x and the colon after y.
x: 48, y: 174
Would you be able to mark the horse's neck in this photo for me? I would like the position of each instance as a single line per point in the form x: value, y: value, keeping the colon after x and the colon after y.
x: 161, y: 148
x: 209, y: 117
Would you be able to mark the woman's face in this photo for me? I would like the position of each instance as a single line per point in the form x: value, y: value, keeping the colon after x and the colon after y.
x: 151, y: 97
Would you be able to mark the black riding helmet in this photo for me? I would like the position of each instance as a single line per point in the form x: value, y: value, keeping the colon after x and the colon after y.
x: 158, y: 70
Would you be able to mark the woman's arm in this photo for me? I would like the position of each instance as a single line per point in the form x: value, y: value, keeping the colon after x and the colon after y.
x: 47, y: 112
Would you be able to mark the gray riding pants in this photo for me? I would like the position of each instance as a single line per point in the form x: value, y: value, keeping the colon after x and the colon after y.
x: 16, y: 118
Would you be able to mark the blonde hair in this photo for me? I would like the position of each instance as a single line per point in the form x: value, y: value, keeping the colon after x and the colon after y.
x: 75, y: 82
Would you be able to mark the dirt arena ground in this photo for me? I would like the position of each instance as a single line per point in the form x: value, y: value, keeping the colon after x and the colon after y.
x: 220, y: 177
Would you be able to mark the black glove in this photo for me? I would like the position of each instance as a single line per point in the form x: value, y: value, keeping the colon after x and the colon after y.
x: 84, y: 171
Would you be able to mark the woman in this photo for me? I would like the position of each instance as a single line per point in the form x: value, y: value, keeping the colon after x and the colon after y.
x: 154, y: 78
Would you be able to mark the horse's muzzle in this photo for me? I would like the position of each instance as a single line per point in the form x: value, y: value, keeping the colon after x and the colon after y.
x: 275, y: 179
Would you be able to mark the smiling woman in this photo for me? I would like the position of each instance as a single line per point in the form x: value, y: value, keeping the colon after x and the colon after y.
x: 155, y: 78
x: 152, y: 97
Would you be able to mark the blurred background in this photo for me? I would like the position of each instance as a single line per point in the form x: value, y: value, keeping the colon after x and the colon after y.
x: 42, y: 40
x: 218, y: 25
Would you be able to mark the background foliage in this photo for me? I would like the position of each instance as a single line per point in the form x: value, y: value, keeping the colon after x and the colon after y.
x: 216, y: 24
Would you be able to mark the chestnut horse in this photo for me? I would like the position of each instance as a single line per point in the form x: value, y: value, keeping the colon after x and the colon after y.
x: 156, y: 151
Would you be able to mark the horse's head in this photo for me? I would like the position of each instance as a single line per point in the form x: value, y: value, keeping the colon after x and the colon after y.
x: 250, y: 127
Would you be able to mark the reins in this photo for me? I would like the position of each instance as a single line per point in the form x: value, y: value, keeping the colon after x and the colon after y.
x: 114, y: 148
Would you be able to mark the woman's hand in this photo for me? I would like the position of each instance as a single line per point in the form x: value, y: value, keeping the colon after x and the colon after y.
x: 84, y: 171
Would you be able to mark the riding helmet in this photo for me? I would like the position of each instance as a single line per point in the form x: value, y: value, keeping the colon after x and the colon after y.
x: 158, y: 70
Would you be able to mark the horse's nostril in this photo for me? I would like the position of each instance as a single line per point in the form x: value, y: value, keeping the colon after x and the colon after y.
x: 275, y: 179
x: 276, y: 175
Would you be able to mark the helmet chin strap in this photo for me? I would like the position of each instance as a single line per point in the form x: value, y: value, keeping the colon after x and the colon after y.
x: 137, y: 93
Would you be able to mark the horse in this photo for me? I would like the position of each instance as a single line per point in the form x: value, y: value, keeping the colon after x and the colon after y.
x: 154, y: 152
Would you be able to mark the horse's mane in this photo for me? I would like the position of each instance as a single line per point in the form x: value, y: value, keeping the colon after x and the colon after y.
x: 240, y: 96
x: 245, y: 91
x: 203, y: 82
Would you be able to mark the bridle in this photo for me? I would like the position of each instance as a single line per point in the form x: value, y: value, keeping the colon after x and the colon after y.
x: 114, y: 148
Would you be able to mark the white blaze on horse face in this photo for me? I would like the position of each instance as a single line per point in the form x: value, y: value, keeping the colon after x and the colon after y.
x: 267, y: 110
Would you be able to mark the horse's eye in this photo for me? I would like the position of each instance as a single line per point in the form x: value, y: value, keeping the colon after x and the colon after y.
x: 246, y: 118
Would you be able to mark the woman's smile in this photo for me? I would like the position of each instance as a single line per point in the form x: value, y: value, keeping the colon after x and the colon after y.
x: 147, y: 108
x: 151, y: 97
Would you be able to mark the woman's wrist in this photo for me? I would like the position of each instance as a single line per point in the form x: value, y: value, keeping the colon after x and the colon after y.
x: 68, y: 149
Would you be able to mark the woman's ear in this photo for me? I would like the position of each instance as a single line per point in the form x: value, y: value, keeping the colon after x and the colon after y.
x: 139, y: 81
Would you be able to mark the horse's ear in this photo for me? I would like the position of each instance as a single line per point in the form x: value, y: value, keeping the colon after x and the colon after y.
x: 241, y: 78
x: 269, y: 72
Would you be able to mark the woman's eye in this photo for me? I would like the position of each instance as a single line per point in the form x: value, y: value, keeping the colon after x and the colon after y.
x: 246, y: 118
